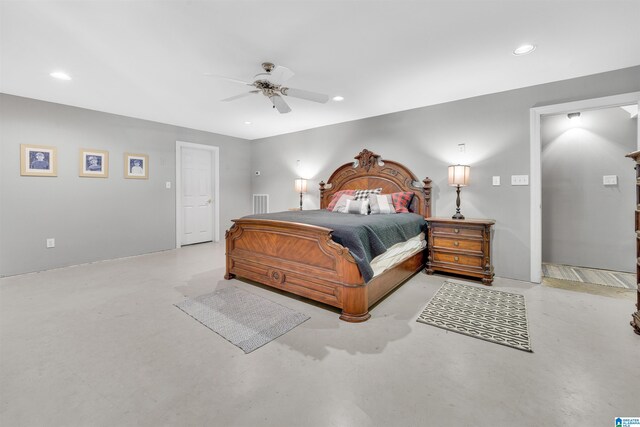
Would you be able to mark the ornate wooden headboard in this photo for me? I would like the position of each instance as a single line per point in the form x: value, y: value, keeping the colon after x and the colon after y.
x: 370, y: 171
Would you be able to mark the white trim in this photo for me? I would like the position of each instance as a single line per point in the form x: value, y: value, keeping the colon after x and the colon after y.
x: 215, y: 176
x: 535, y: 165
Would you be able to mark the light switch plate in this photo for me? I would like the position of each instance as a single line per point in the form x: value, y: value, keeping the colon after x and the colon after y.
x: 51, y: 243
x: 496, y: 180
x: 167, y: 184
x: 610, y: 180
x: 461, y: 148
x: 519, y: 179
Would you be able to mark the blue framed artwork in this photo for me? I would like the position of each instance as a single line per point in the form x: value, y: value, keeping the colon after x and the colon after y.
x: 38, y: 160
x: 94, y: 163
x: 136, y: 166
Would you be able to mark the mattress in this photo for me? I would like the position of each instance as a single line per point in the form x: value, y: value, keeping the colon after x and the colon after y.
x: 398, y: 253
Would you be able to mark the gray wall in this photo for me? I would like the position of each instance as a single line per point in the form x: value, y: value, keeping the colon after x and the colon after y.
x: 495, y: 129
x: 90, y: 218
x: 585, y: 223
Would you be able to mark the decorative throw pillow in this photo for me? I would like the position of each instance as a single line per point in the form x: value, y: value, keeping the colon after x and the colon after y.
x: 341, y: 205
x: 381, y: 204
x: 358, y: 207
x: 336, y: 197
x: 402, y: 201
x: 364, y: 194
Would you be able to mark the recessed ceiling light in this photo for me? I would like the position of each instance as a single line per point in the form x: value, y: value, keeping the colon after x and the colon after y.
x: 247, y: 123
x: 60, y: 75
x: 338, y: 98
x: 524, y: 49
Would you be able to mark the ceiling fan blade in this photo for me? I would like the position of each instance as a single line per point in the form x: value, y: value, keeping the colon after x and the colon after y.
x: 242, y: 95
x: 279, y: 103
x: 304, y: 94
x: 229, y: 79
x: 281, y: 74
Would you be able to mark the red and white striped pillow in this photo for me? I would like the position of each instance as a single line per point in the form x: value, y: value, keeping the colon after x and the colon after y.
x: 336, y: 197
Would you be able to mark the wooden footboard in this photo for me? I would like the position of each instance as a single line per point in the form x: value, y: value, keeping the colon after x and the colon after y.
x: 302, y: 259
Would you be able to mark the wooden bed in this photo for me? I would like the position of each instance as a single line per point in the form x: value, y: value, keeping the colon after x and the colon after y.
x: 302, y: 259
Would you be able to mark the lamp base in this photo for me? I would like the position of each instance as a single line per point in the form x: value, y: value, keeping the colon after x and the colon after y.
x: 458, y: 215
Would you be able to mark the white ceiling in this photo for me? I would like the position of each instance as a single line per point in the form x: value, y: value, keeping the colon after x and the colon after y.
x: 146, y: 59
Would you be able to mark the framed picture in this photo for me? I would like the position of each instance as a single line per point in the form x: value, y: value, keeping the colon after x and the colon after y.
x: 38, y: 160
x: 136, y: 166
x: 94, y: 163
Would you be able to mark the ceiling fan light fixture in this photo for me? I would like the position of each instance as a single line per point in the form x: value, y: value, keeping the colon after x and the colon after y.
x: 270, y: 84
x: 524, y: 49
x: 338, y: 98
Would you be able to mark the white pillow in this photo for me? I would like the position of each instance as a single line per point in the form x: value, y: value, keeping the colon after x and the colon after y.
x: 341, y: 205
x: 381, y: 204
x: 358, y: 207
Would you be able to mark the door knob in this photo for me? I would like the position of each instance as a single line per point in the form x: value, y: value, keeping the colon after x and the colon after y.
x: 209, y: 201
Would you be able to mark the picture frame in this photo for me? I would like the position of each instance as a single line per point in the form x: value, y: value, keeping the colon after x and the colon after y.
x: 94, y: 163
x: 136, y: 166
x: 38, y: 160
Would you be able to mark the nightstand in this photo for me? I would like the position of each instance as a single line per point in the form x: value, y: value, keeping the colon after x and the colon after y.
x: 460, y: 246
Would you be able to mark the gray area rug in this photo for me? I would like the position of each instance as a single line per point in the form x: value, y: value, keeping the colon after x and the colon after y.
x: 242, y: 318
x: 496, y: 316
x: 616, y: 279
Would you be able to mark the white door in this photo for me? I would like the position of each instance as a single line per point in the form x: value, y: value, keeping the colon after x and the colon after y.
x: 197, y: 196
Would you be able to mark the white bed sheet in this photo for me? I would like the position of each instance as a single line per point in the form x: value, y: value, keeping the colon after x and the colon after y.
x: 398, y: 253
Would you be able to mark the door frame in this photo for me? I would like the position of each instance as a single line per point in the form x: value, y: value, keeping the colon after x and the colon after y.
x: 215, y: 186
x: 536, y: 165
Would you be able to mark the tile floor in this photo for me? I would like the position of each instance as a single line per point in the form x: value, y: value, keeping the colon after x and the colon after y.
x: 102, y: 345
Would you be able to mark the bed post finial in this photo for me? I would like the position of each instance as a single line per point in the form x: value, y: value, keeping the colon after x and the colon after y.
x: 366, y: 159
x: 427, y: 196
x: 322, y: 184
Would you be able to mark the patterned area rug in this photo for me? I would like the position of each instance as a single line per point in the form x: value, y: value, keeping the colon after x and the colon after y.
x: 615, y: 279
x: 242, y: 318
x: 494, y: 316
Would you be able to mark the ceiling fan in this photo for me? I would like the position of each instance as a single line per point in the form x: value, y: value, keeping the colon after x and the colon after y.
x: 270, y: 84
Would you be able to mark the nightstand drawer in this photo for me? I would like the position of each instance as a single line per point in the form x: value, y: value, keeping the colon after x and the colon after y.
x: 452, y: 243
x: 460, y: 231
x: 467, y: 260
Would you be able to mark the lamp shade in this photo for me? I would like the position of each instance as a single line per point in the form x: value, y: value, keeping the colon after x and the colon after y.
x: 459, y: 175
x: 301, y: 185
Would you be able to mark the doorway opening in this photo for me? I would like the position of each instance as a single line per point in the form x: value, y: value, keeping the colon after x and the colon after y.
x: 197, y: 193
x: 536, y: 115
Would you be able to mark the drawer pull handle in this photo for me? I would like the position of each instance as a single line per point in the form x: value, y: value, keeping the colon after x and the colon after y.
x: 456, y: 230
x: 455, y: 258
x: 456, y: 243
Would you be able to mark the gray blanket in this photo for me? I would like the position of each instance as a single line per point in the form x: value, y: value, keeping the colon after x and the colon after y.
x: 366, y: 236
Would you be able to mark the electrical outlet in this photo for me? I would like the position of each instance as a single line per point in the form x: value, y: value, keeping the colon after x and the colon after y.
x: 519, y: 179
x: 51, y: 243
x: 496, y: 180
x: 610, y: 180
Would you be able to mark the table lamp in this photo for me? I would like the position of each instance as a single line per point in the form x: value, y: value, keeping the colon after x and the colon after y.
x: 301, y: 187
x: 458, y: 177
